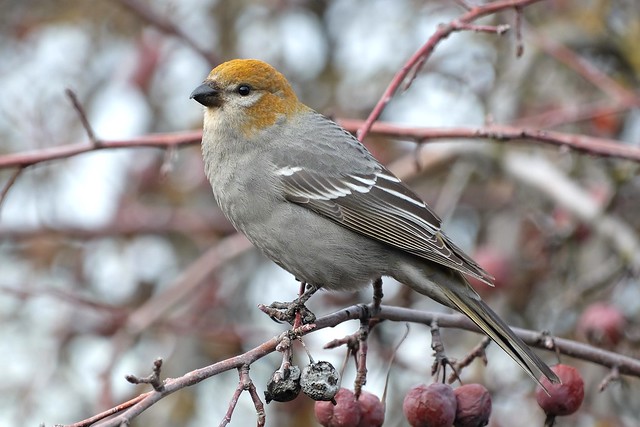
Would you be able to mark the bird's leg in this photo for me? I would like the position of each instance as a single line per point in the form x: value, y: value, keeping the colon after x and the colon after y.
x: 294, y: 312
x: 377, y: 296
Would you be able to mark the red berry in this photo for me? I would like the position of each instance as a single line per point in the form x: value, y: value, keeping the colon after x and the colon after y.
x: 565, y: 398
x: 602, y: 324
x: 345, y: 413
x: 430, y: 406
x: 496, y: 263
x: 474, y: 406
x: 371, y: 410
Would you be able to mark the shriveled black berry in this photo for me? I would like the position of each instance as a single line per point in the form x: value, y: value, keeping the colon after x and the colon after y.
x: 286, y: 388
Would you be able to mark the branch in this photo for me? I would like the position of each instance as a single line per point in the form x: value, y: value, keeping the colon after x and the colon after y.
x: 144, y: 11
x: 83, y: 116
x: 12, y: 180
x: 413, y: 65
x: 624, y: 364
x: 587, y: 70
x: 163, y: 140
x: 499, y: 133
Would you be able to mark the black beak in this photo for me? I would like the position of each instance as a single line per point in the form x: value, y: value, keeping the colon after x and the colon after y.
x: 207, y: 95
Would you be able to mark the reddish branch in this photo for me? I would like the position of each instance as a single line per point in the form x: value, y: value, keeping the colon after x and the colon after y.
x: 587, y: 144
x: 625, y: 365
x: 414, y: 64
x: 554, y: 117
x: 499, y: 133
x: 164, y: 140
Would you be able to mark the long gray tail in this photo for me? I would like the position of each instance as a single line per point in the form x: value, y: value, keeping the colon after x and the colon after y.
x: 451, y: 288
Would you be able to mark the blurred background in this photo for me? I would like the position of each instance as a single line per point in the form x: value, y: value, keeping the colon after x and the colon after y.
x: 112, y: 258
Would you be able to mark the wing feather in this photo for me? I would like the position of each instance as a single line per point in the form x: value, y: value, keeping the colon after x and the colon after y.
x: 378, y: 205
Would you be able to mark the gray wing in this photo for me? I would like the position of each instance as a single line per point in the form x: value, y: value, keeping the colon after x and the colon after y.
x: 375, y: 203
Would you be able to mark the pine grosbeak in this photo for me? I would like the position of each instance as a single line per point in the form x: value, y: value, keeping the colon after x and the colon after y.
x: 316, y: 202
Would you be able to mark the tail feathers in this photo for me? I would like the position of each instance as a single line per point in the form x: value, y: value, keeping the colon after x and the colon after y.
x: 487, y: 320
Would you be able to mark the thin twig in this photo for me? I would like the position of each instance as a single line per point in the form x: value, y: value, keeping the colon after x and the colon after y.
x: 492, y: 29
x: 613, y: 375
x: 518, y: 25
x: 83, y: 117
x: 144, y: 11
x: 411, y: 68
x: 478, y: 352
x: 153, y: 378
x: 232, y: 405
x: 7, y: 186
x: 109, y: 412
x: 587, y: 70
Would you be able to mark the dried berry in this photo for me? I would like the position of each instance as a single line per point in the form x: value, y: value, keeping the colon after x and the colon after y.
x: 286, y: 388
x: 602, y: 324
x: 371, y: 410
x: 345, y: 413
x: 473, y: 406
x: 320, y: 381
x: 430, y: 406
x: 565, y: 398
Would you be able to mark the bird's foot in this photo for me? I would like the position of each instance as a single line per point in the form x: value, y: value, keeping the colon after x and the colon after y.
x: 294, y: 312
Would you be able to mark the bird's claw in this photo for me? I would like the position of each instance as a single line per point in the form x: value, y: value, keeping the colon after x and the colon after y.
x: 287, y: 311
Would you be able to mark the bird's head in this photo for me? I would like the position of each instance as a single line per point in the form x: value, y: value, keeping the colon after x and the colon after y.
x: 246, y: 93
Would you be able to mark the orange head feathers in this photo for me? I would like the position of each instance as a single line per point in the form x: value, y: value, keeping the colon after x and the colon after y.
x: 254, y: 87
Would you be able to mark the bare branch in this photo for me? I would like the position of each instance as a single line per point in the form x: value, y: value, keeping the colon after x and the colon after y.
x: 625, y: 365
x: 518, y: 25
x: 414, y: 64
x: 64, y: 151
x: 12, y: 180
x: 83, y: 117
x: 587, y: 70
x: 153, y: 378
x: 499, y: 133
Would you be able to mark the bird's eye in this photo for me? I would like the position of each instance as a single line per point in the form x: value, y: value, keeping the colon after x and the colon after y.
x: 244, y: 90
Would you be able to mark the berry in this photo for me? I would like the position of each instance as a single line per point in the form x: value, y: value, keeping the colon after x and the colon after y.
x: 320, y: 381
x: 430, y: 406
x: 565, y: 398
x: 371, y: 410
x: 473, y: 406
x: 602, y: 324
x: 345, y: 413
x: 286, y: 388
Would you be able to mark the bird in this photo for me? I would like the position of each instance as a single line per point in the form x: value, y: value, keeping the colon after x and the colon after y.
x: 316, y: 202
